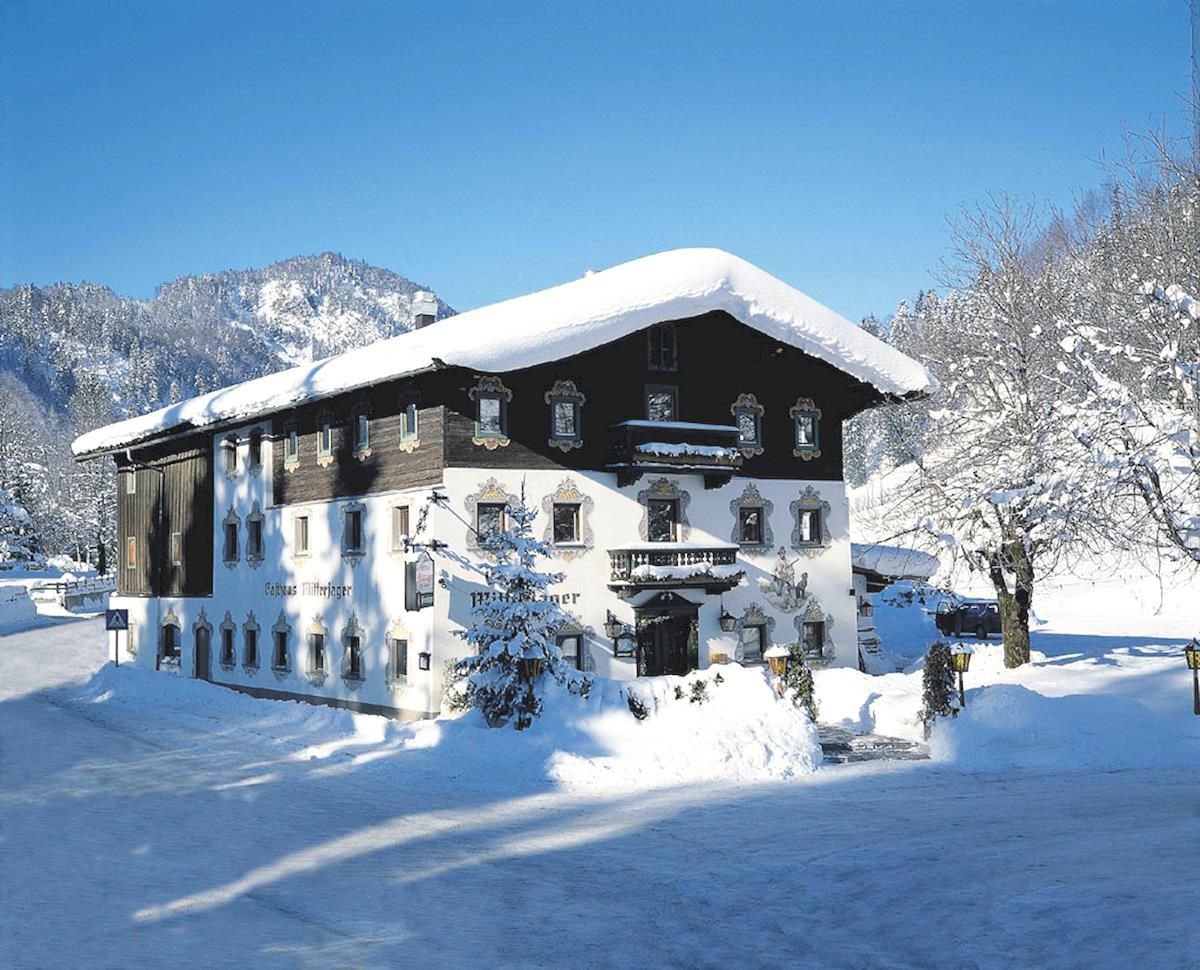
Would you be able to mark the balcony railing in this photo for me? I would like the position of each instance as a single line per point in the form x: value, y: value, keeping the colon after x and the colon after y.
x: 642, y: 446
x: 664, y: 565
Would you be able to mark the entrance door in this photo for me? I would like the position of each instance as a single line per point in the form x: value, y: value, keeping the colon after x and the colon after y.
x: 664, y: 644
x: 203, y: 653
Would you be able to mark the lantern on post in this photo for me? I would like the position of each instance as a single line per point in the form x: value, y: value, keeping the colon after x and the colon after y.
x: 960, y: 660
x: 530, y: 668
x: 612, y: 626
x: 777, y: 659
x: 1192, y: 654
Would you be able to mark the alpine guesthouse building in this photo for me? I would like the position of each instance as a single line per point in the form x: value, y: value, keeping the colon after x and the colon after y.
x: 676, y: 420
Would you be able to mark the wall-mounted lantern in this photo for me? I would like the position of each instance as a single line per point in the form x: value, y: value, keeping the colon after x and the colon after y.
x: 1192, y: 654
x: 727, y: 620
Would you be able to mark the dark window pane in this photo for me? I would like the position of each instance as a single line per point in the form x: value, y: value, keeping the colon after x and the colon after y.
x: 566, y: 523
x: 400, y: 658
x: 752, y: 642
x: 751, y: 525
x: 489, y: 520
x: 252, y: 648
x: 810, y: 526
x: 256, y: 447
x: 660, y: 520
x: 814, y: 638
x: 408, y: 429
x: 660, y: 404
x: 806, y: 431
x: 570, y: 649
x: 354, y: 536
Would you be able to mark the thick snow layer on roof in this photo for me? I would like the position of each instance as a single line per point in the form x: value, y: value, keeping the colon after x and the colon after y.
x: 549, y: 325
x: 894, y: 561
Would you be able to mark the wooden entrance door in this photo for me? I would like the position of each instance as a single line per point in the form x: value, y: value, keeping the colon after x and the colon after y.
x: 203, y: 653
x: 665, y: 644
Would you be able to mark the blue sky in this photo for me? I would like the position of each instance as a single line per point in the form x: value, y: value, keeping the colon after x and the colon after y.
x: 490, y: 149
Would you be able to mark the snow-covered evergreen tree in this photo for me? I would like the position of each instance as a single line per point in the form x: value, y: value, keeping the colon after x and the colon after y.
x: 938, y: 696
x: 518, y: 622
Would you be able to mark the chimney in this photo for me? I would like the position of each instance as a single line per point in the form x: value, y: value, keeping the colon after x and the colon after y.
x: 424, y: 308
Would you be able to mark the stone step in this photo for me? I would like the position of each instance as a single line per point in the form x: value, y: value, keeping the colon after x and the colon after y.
x: 841, y: 746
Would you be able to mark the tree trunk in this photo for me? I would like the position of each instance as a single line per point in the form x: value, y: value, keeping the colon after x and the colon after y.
x: 101, y: 556
x: 1014, y: 604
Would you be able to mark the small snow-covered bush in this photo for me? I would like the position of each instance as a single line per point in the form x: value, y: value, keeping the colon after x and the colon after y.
x: 798, y: 683
x: 937, y: 690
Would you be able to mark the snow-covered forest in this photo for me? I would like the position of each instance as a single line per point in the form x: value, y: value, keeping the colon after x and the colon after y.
x: 75, y: 357
x: 1067, y: 419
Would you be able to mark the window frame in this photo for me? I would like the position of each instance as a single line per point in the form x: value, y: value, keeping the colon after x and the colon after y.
x: 664, y: 358
x: 229, y: 456
x: 255, y: 550
x: 400, y: 512
x: 291, y: 446
x: 131, y: 552
x: 812, y: 515
x: 176, y: 548
x: 360, y: 421
x: 577, y: 520
x: 671, y: 503
x: 742, y: 513
x: 806, y: 410
x: 254, y: 443
x: 820, y: 626
x: 170, y: 641
x: 131, y: 482
x: 228, y: 654
x: 300, y: 529
x: 280, y: 647
x: 652, y: 389
x: 229, y: 541
x: 397, y: 672
x: 491, y: 388
x: 502, y: 522
x: 250, y: 659
x: 761, y: 629
x: 325, y: 442
x: 353, y: 517
x: 565, y: 394
x: 577, y: 636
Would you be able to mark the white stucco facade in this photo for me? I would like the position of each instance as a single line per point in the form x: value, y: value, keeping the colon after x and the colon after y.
x: 341, y: 595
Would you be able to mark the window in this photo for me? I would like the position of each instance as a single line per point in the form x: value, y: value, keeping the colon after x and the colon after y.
x: 170, y: 640
x: 399, y: 526
x: 747, y: 416
x: 398, y: 649
x: 254, y: 455
x: 409, y: 424
x: 316, y: 651
x: 176, y: 548
x: 814, y: 637
x: 754, y: 637
x: 231, y: 542
x: 131, y: 482
x: 806, y: 439
x: 362, y: 432
x: 280, y: 660
x: 489, y: 416
x: 566, y: 409
x: 254, y: 542
x: 750, y: 526
x: 491, y: 399
x: 566, y: 522
x: 251, y: 646
x: 808, y: 525
x: 662, y: 348
x: 354, y: 657
x: 227, y: 658
x: 662, y: 402
x: 325, y: 440
x: 489, y: 519
x: 131, y: 553
x: 291, y: 447
x: 230, y: 456
x: 354, y: 530
x: 662, y: 519
x: 571, y: 646
x: 300, y: 535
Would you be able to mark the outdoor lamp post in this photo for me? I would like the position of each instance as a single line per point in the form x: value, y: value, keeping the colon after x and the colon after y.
x: 530, y: 668
x: 777, y: 659
x: 1192, y: 653
x: 961, y: 661
x: 727, y: 620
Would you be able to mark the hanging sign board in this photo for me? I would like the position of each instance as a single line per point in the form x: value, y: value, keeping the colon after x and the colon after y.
x: 419, y: 583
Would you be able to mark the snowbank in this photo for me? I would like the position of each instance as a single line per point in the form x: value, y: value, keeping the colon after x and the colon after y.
x: 739, y: 731
x: 16, y: 608
x: 550, y: 325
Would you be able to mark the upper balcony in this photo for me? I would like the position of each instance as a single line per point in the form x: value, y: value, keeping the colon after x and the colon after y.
x: 712, y: 567
x: 639, y: 447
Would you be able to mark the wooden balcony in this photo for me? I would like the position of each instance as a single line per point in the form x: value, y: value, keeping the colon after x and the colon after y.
x: 639, y: 447
x: 674, y: 565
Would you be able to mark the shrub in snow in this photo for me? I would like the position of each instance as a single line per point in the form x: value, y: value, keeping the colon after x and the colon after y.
x: 798, y: 682
x: 938, y: 697
x: 517, y: 624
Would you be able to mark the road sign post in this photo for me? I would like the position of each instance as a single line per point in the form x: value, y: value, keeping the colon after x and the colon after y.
x: 116, y: 620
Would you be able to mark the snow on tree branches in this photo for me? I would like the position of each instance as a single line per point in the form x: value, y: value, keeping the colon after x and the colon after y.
x: 514, y: 631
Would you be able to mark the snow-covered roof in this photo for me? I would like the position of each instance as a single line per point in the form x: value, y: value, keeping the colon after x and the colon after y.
x: 893, y: 561
x: 546, y: 326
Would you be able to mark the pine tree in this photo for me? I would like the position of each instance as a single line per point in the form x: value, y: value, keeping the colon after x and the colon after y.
x: 518, y: 622
x: 938, y: 697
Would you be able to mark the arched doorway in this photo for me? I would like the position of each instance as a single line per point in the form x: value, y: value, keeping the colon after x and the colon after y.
x: 667, y: 632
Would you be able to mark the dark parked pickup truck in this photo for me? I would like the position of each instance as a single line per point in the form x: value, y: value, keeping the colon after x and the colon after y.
x: 979, y: 618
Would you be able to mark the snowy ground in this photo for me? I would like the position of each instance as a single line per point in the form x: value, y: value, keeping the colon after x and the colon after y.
x: 150, y: 821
